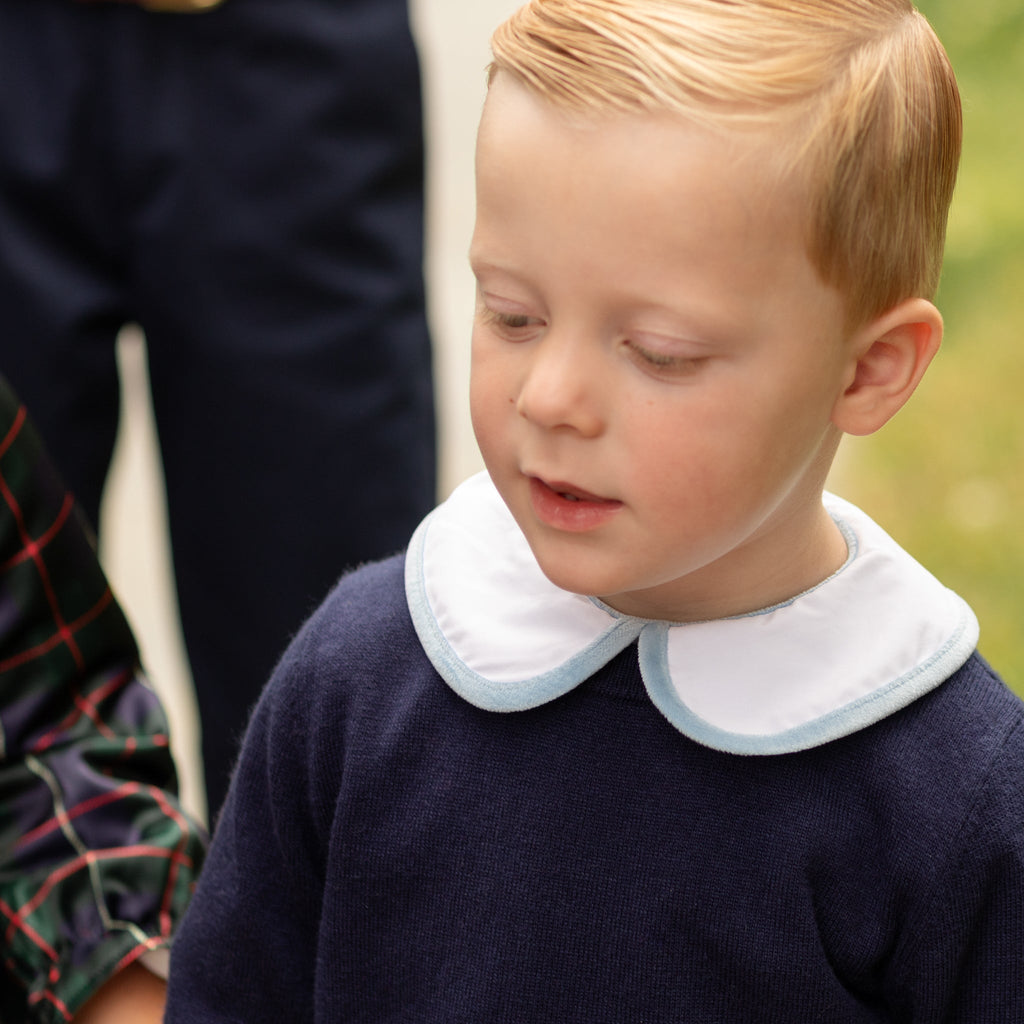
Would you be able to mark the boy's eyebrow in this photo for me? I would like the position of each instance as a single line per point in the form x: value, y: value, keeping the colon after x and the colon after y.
x: 481, y: 264
x: 699, y: 321
x: 481, y: 261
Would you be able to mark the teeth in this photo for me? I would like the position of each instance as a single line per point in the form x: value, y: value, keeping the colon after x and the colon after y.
x: 569, y: 497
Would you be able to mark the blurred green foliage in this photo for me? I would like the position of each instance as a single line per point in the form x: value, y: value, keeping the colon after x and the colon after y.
x: 945, y: 477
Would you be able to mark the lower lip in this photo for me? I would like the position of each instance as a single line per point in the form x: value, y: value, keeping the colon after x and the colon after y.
x: 573, y: 515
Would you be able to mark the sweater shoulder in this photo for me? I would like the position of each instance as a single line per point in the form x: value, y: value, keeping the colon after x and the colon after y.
x: 359, y: 644
x: 976, y: 713
x: 949, y: 767
x: 365, y: 615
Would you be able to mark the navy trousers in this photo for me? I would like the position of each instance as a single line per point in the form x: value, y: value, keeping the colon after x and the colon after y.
x: 246, y: 184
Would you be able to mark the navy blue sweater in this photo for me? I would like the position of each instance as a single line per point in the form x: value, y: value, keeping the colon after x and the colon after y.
x: 391, y: 853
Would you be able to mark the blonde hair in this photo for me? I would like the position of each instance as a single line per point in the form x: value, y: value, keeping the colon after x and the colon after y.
x: 863, y: 88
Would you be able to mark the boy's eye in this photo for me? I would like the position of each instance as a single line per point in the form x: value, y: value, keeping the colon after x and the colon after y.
x: 509, y: 323
x: 513, y: 320
x: 663, y: 361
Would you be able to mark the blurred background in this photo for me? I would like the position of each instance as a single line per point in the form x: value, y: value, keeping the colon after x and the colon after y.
x: 944, y: 477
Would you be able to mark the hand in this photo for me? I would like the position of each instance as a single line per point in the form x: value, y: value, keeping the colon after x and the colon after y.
x: 132, y: 996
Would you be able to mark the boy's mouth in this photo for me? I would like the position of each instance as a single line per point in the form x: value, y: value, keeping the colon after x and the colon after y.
x: 567, y: 507
x: 570, y: 493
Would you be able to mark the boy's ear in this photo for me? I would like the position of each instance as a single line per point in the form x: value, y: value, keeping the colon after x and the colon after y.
x: 888, y: 358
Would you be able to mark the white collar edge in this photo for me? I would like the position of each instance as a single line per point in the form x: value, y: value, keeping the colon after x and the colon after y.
x: 524, y: 694
x: 842, y: 721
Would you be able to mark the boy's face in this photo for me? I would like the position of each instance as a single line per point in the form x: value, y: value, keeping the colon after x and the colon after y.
x: 655, y: 361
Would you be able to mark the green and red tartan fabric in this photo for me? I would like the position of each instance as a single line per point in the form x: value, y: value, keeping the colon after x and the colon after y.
x: 97, y: 859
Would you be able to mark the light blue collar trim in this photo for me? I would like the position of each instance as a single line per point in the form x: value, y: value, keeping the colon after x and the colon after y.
x: 868, y: 641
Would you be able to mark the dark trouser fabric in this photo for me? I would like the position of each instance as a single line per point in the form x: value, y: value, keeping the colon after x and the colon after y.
x: 246, y: 184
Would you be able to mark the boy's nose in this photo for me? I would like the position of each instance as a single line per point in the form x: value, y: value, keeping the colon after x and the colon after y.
x: 562, y: 388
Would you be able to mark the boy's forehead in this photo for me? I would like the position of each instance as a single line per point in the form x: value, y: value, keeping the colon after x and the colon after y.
x: 511, y: 100
x: 515, y: 114
x: 640, y: 201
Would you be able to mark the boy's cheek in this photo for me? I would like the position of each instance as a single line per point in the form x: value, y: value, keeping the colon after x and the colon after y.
x: 492, y: 382
x: 486, y: 408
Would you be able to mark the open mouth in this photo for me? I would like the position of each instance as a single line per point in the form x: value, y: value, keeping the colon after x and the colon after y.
x: 569, y: 493
x: 566, y: 507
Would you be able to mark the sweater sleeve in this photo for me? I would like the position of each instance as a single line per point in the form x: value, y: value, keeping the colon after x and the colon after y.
x: 962, y: 960
x: 247, y: 949
x: 97, y: 859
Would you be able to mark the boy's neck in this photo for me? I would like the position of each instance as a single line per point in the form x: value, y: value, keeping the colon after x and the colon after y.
x: 746, y: 581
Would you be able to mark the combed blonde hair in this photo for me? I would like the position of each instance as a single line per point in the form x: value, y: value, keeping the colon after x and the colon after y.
x: 862, y: 92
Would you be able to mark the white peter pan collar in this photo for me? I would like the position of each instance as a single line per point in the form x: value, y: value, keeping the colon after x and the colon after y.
x: 864, y: 643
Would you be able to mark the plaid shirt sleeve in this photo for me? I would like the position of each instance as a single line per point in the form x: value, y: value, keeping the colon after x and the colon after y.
x: 97, y: 859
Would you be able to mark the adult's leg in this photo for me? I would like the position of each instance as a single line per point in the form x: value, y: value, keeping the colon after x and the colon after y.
x: 277, y: 261
x: 61, y: 301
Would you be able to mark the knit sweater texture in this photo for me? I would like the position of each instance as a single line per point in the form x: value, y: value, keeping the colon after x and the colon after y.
x: 390, y: 852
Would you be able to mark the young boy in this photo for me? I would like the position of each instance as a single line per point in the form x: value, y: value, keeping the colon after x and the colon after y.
x: 642, y: 728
